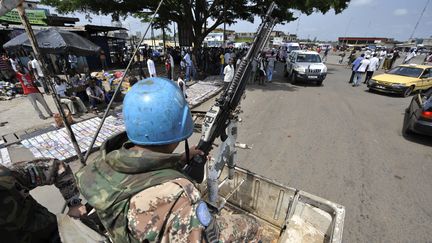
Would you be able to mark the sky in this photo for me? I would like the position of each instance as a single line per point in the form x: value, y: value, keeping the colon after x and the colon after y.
x: 363, y: 18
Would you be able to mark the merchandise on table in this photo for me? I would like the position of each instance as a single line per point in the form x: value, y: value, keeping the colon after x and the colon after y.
x: 56, y: 144
x: 4, y: 157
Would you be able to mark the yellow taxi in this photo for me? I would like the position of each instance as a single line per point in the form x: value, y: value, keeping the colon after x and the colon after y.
x: 403, y: 79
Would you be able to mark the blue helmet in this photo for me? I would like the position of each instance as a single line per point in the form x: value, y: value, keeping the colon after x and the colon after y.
x: 156, y: 113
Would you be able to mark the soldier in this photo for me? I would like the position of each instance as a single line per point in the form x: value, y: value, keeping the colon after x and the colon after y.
x: 22, y: 218
x: 137, y: 186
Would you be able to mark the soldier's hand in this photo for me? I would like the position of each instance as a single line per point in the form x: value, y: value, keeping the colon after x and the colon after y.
x: 77, y: 211
x: 192, y: 152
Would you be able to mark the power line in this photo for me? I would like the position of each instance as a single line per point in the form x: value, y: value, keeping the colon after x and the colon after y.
x: 418, y: 21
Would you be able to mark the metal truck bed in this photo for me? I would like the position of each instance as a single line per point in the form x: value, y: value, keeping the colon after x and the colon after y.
x: 287, y: 214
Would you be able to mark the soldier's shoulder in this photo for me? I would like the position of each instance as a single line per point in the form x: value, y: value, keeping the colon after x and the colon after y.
x: 167, y: 192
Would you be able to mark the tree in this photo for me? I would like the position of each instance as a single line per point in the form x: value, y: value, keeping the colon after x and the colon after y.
x: 197, y: 18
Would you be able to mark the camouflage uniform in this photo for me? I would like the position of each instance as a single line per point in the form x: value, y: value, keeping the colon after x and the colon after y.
x: 22, y: 219
x: 141, y: 196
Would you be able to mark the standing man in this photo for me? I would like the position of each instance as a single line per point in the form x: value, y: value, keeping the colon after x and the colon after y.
x: 188, y: 63
x: 229, y: 71
x: 254, y: 69
x: 14, y: 63
x: 151, y: 67
x: 410, y: 56
x: 324, y: 59
x: 355, y: 66
x: 222, y: 63
x: 364, y: 65
x: 138, y: 188
x: 373, y: 66
x: 393, y: 58
x: 103, y: 60
x: 33, y: 94
x: 73, y: 62
x: 270, y: 67
x: 39, y: 75
x: 23, y: 219
x: 227, y: 56
x: 181, y: 84
x: 171, y: 60
x: 382, y: 56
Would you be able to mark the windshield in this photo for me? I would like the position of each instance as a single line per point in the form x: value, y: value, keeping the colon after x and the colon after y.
x: 407, y: 71
x: 293, y: 48
x: 308, y: 58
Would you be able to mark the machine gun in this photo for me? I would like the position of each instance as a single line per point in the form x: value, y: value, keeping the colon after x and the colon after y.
x: 220, y: 115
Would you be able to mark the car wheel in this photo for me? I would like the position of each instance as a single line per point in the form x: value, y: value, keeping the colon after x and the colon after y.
x: 285, y: 72
x: 406, y: 130
x: 319, y: 83
x: 408, y: 91
x: 293, y: 78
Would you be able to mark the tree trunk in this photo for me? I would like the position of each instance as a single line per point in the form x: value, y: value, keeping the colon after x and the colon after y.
x: 163, y: 39
x: 185, y: 33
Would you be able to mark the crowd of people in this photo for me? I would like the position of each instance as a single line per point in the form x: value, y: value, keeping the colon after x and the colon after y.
x: 74, y: 90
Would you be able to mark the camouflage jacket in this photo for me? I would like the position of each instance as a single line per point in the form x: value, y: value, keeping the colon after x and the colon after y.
x: 142, y: 197
x: 119, y: 174
x: 22, y: 219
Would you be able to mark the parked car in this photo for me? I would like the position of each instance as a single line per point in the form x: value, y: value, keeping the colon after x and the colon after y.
x: 403, y: 79
x: 418, y: 115
x: 305, y: 66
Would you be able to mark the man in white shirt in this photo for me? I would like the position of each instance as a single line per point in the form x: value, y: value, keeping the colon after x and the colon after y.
x: 95, y: 94
x: 39, y: 74
x: 61, y: 87
x: 188, y: 61
x: 382, y: 55
x: 171, y: 60
x: 373, y: 66
x: 73, y: 61
x: 181, y: 83
x: 364, y: 65
x: 270, y: 67
x: 151, y: 67
x: 14, y: 63
x: 410, y: 56
x: 228, y: 73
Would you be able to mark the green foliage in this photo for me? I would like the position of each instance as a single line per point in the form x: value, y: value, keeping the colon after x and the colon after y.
x: 195, y: 14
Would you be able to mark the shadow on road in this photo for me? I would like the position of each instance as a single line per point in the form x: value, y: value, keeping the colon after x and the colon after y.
x: 274, y: 86
x: 418, y: 138
x: 391, y: 95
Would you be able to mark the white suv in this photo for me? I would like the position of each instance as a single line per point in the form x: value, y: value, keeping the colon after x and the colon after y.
x: 306, y: 66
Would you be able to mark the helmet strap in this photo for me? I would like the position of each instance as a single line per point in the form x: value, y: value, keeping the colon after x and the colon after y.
x: 187, y: 150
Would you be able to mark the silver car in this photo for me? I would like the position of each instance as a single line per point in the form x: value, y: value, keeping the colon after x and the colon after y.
x: 305, y: 66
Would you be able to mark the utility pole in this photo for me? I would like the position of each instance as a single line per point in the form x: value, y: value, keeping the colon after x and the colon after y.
x: 40, y: 58
x: 224, y: 26
x: 418, y: 21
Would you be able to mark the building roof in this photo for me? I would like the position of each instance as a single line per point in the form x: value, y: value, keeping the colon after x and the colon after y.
x: 364, y: 38
x: 89, y: 28
x: 55, y: 20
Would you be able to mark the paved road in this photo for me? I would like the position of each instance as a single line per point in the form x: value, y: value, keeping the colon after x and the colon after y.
x: 344, y: 144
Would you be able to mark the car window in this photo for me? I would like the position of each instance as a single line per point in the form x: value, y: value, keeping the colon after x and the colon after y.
x: 308, y: 58
x: 427, y: 73
x: 407, y: 71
